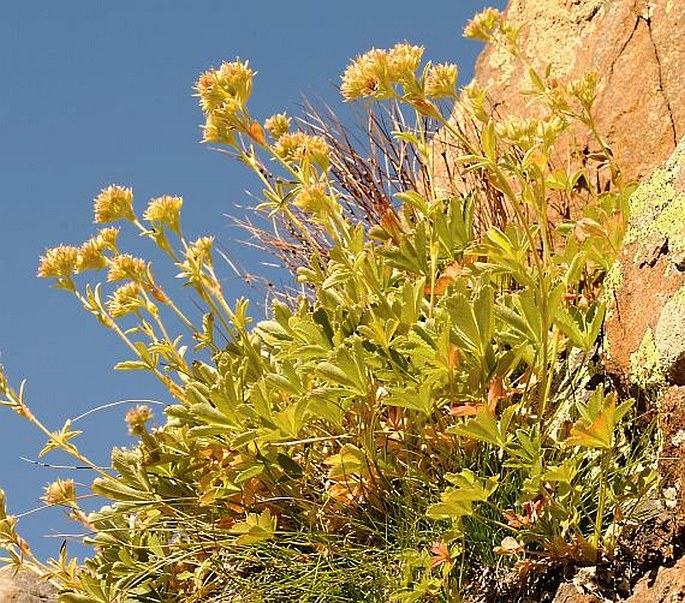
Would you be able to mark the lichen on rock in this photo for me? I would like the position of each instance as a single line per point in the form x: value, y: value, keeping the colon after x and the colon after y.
x: 646, y: 367
x: 670, y: 338
x: 658, y: 213
x: 645, y: 342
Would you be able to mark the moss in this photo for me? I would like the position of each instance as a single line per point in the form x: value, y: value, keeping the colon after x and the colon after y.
x: 646, y: 367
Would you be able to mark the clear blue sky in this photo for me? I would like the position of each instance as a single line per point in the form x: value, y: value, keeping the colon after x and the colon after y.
x: 97, y: 93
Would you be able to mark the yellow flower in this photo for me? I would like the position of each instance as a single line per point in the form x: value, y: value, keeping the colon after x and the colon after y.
x: 136, y: 419
x: 125, y: 299
x: 296, y: 146
x: 474, y: 98
x: 290, y: 146
x: 90, y: 256
x: 210, y: 93
x: 201, y: 250
x: 166, y: 210
x: 231, y: 82
x: 125, y: 266
x: 60, y: 492
x: 366, y: 76
x: 219, y: 127
x: 441, y: 81
x: 107, y: 238
x: 312, y: 199
x: 483, y: 25
x: 585, y: 88
x: 58, y: 262
x: 277, y: 125
x: 114, y: 203
x: 316, y: 149
x: 403, y: 61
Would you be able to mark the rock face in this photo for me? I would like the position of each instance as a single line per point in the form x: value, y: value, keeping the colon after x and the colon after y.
x: 646, y: 328
x: 668, y: 586
x: 638, y: 48
x: 24, y: 587
x: 646, y: 324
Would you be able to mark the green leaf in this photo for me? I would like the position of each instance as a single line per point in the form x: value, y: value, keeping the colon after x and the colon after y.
x: 206, y: 413
x: 420, y: 398
x: 249, y: 473
x: 115, y: 490
x: 287, y: 386
x: 131, y: 365
x: 288, y: 465
x: 245, y: 438
x: 599, y: 419
x: 487, y: 139
x: 457, y: 500
x: 415, y: 200
x: 334, y: 374
x: 485, y: 428
x: 255, y: 528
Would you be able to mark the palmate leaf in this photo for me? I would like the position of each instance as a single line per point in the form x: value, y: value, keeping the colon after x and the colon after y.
x: 348, y: 368
x: 486, y: 428
x: 255, y: 528
x: 419, y: 398
x: 581, y: 329
x: 473, y: 320
x: 599, y: 419
x: 457, y: 500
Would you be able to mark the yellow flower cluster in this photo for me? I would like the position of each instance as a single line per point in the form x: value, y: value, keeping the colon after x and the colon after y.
x: 296, y: 146
x: 125, y: 266
x: 277, y: 125
x: 136, y: 419
x: 165, y: 210
x: 231, y: 83
x: 474, y: 98
x: 58, y: 262
x: 91, y: 254
x: 366, y: 76
x: 60, y: 492
x: 585, y: 89
x: 200, y: 250
x: 526, y: 133
x: 223, y: 94
x: 483, y: 25
x: 114, y: 203
x: 62, y: 261
x: 441, y: 81
x: 125, y: 299
x: 374, y: 73
x: 403, y: 60
x: 312, y: 199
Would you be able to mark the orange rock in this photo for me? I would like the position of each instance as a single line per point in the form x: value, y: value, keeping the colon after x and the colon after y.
x: 668, y: 586
x: 637, y: 47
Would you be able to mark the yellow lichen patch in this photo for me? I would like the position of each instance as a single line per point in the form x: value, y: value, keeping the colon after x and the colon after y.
x: 657, y: 210
x: 670, y: 332
x: 646, y: 369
